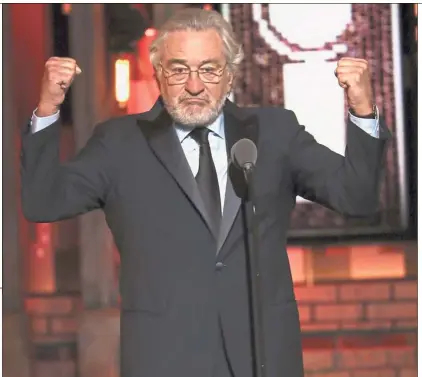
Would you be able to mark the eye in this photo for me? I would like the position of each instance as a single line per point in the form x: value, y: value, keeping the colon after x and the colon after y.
x: 209, y: 69
x: 178, y: 70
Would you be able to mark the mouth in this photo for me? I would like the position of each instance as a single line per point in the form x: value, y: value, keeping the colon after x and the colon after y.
x: 195, y: 101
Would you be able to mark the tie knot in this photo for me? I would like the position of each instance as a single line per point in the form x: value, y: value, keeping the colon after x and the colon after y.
x: 200, y: 135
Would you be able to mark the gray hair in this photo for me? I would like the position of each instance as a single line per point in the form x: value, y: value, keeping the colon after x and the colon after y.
x: 198, y: 20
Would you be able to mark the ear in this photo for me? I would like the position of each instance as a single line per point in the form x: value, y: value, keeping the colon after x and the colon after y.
x: 157, y: 80
x: 230, y: 79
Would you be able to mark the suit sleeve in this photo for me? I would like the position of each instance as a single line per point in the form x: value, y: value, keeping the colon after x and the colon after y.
x: 350, y: 184
x: 52, y: 190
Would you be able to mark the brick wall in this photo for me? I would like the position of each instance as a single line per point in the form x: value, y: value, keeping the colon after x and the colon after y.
x: 350, y: 329
x: 53, y: 326
x: 359, y: 329
x: 358, y: 305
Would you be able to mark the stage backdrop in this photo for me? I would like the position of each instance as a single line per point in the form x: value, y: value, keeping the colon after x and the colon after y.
x: 291, y: 52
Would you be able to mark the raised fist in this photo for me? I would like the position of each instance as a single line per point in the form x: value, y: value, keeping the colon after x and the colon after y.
x: 59, y: 74
x: 354, y: 77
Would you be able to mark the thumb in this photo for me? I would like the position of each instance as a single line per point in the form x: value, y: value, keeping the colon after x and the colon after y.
x: 78, y: 70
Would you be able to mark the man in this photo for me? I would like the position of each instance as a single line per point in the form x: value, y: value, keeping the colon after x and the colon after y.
x: 161, y: 179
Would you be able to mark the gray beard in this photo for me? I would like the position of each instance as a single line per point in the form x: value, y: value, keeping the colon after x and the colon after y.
x: 191, y: 119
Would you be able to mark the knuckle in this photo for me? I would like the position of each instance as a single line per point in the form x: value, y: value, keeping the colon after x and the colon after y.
x: 59, y: 60
x: 72, y: 62
x: 70, y: 66
x: 64, y: 68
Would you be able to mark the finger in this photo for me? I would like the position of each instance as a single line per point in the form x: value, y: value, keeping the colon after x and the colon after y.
x: 53, y: 59
x: 64, y: 62
x: 68, y: 60
x: 55, y: 68
x: 62, y: 70
x: 349, y: 69
x: 347, y: 80
x: 352, y: 62
x: 341, y: 73
x: 352, y: 59
x: 63, y: 59
x: 57, y: 60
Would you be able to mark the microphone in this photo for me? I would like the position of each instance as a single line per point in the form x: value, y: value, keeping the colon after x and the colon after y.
x: 244, y: 154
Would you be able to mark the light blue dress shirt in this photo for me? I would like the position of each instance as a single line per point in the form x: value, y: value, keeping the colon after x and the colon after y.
x: 217, y: 142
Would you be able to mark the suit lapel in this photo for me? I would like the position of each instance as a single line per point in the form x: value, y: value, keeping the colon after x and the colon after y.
x: 238, y: 125
x: 162, y: 139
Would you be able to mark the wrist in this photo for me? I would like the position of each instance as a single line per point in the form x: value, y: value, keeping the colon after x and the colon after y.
x: 45, y: 110
x: 364, y: 111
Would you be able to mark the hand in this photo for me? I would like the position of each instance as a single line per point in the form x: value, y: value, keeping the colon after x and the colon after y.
x: 58, y: 75
x: 354, y: 77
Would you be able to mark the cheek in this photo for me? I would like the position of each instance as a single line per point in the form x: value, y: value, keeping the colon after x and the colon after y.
x: 175, y: 90
x: 218, y: 91
x: 171, y: 92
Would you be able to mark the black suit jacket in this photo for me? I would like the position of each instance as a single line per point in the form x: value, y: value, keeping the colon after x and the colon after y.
x: 180, y: 280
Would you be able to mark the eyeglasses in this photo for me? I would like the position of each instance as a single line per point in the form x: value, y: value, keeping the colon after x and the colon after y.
x: 180, y: 75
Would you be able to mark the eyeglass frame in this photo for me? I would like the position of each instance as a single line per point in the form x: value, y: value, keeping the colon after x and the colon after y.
x: 219, y: 76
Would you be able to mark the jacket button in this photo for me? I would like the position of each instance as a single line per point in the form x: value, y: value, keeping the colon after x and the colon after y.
x: 219, y: 266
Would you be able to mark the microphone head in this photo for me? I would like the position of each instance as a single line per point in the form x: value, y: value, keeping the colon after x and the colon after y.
x: 244, y: 152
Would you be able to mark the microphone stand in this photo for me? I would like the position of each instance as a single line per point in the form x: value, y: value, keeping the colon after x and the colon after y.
x: 254, y: 276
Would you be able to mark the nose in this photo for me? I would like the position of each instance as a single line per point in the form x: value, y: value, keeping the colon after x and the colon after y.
x: 194, y: 85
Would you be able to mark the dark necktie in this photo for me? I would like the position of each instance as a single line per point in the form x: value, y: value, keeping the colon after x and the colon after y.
x: 207, y: 177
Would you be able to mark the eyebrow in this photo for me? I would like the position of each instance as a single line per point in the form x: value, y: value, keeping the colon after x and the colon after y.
x: 184, y: 62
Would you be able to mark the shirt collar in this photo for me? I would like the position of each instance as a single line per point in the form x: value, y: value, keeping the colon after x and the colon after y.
x: 217, y: 127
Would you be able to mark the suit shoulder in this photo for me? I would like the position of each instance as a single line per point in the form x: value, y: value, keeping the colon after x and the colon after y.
x: 115, y: 123
x: 276, y: 118
x: 116, y: 128
x: 271, y: 111
x: 285, y: 114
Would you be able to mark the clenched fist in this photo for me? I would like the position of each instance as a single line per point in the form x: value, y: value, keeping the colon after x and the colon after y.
x: 354, y: 77
x: 58, y: 75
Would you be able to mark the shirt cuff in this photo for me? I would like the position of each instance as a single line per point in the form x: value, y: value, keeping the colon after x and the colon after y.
x: 39, y: 123
x: 370, y: 126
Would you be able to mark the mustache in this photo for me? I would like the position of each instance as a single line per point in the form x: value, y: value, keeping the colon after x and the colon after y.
x: 206, y: 99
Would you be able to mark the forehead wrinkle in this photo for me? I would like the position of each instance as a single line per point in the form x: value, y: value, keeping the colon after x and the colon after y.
x: 178, y: 45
